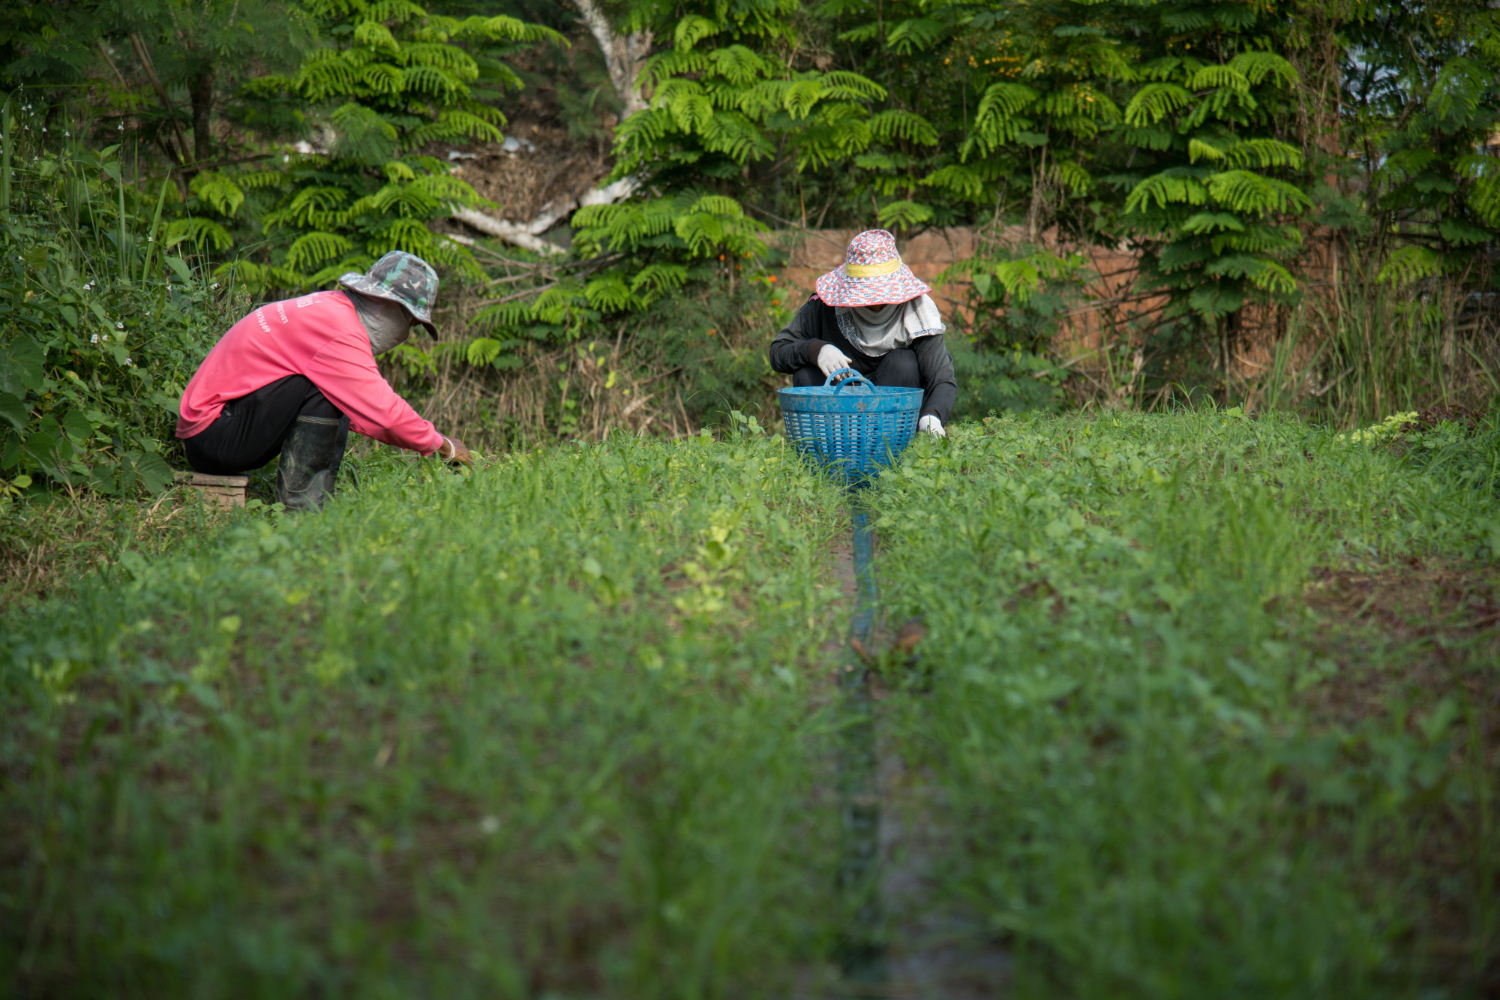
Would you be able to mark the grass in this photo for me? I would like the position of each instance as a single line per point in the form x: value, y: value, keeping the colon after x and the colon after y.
x: 1366, y: 351
x: 1122, y: 698
x: 543, y: 728
x: 563, y: 726
x: 51, y: 540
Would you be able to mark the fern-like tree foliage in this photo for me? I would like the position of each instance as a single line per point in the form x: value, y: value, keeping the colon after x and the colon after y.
x: 1165, y: 125
x: 1424, y: 97
x: 1212, y: 189
x: 728, y: 99
x: 392, y: 83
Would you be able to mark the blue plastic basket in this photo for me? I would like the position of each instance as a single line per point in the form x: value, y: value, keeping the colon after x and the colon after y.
x: 853, y: 428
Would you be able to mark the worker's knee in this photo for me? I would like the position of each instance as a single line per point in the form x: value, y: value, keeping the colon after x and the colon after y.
x: 899, y: 368
x: 314, y: 403
x: 807, y: 375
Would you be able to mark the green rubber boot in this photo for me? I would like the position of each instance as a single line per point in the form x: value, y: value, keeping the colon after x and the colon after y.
x: 310, y: 461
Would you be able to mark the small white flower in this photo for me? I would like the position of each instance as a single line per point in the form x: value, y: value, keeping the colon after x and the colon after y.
x: 119, y: 326
x: 129, y: 363
x: 150, y: 239
x: 120, y: 127
x: 44, y: 128
x: 66, y: 134
x: 106, y: 338
x: 94, y: 339
x: 213, y: 286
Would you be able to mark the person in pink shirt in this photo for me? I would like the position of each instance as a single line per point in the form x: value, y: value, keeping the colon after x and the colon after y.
x: 294, y: 377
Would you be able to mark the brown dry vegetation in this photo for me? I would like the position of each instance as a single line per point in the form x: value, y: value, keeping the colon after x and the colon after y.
x: 644, y: 379
x: 46, y: 544
x: 550, y: 167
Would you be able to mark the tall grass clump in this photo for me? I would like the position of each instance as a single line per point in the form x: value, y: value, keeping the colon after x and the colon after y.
x: 1367, y: 350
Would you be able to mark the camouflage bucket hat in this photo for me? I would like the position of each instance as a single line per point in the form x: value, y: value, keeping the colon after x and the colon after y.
x: 402, y: 278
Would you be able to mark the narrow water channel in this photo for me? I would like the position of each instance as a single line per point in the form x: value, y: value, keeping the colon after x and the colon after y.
x: 862, y: 948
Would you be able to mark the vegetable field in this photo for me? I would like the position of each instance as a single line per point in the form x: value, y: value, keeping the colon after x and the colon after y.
x: 1183, y: 705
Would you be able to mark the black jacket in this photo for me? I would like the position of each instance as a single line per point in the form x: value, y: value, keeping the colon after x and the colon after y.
x: 816, y: 324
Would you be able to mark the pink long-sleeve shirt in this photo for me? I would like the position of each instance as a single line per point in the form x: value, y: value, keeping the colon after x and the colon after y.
x: 319, y: 336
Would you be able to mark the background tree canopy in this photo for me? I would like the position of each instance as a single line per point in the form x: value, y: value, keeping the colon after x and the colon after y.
x: 1310, y: 175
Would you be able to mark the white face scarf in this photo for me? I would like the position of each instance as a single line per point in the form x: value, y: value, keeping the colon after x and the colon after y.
x: 386, y: 323
x: 878, y: 330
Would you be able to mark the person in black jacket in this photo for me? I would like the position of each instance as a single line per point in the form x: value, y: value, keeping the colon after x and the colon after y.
x: 875, y: 316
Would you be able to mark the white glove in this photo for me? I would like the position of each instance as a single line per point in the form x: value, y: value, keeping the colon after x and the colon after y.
x: 831, y: 359
x: 932, y: 425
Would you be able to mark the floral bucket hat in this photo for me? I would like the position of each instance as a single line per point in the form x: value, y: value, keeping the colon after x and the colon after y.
x: 872, y: 275
x: 403, y: 278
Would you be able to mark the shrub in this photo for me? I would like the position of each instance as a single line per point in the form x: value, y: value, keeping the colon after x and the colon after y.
x: 98, y: 334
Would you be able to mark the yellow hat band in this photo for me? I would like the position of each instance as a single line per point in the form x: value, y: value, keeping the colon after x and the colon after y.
x: 872, y: 270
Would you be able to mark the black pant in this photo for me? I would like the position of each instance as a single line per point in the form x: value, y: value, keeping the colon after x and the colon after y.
x: 251, y: 430
x: 896, y: 368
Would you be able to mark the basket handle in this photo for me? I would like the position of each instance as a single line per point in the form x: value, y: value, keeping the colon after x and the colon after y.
x: 853, y: 378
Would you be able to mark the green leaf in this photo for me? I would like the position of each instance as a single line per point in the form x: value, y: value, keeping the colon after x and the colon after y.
x: 12, y: 450
x: 1155, y: 101
x: 219, y: 191
x: 149, y: 469
x: 77, y: 427
x: 364, y: 136
x: 691, y: 30
x: 904, y: 213
x: 14, y: 411
x: 200, y: 231
x: 1409, y: 265
x: 914, y: 33
x: 1208, y: 222
x: 896, y: 123
x: 179, y: 267
x: 50, y: 450
x: 22, y: 366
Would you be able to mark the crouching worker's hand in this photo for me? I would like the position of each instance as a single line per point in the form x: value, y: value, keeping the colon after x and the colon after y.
x: 932, y: 425
x: 831, y: 359
x: 453, y: 450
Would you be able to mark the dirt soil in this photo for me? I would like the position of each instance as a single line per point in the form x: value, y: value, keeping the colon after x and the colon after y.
x: 543, y: 165
x: 1434, y: 624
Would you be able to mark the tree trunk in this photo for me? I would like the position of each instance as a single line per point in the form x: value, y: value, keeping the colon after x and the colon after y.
x: 1036, y: 212
x: 161, y: 92
x: 203, y: 105
x: 624, y: 55
x: 1229, y: 342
